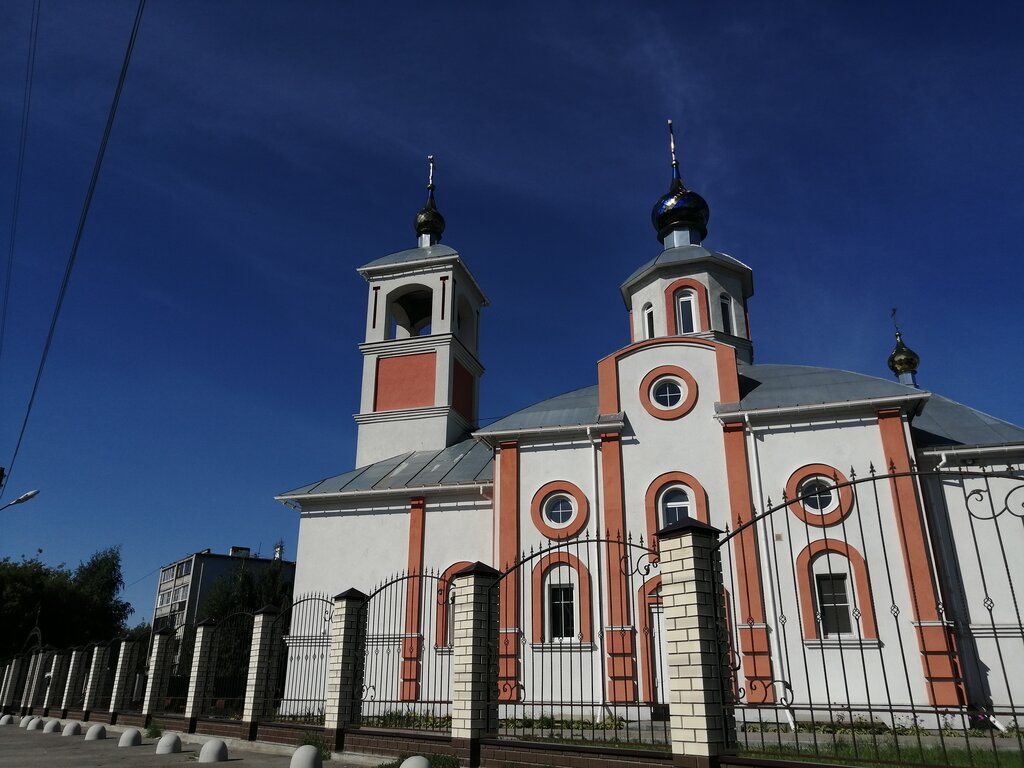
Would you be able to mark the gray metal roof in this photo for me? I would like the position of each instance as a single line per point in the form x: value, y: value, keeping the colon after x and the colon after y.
x: 464, y: 463
x: 441, y: 252
x: 576, y: 407
x: 942, y: 422
x: 685, y: 254
x: 779, y: 386
x: 946, y: 422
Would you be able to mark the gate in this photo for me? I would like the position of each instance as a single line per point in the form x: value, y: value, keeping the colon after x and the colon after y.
x: 878, y: 618
x: 408, y: 645
x: 579, y: 653
x: 298, y: 668
x: 232, y: 643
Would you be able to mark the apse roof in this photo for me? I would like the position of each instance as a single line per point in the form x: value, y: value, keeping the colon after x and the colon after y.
x: 465, y: 463
x: 569, y: 409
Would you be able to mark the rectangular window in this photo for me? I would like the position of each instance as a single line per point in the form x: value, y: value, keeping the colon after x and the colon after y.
x: 834, y: 604
x: 727, y: 315
x: 184, y: 569
x: 649, y: 322
x: 562, y: 617
x: 163, y: 599
x: 181, y: 593
x: 686, y: 313
x: 166, y: 575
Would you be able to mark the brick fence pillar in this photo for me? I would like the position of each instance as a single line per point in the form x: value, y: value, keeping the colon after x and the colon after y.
x: 200, y: 675
x: 97, y: 676
x: 27, y: 688
x: 123, y: 676
x: 701, y: 712
x: 73, y: 681
x: 58, y: 674
x: 259, y: 686
x: 36, y: 680
x: 474, y: 663
x: 161, y: 658
x: 13, y: 678
x: 3, y: 683
x: 343, y: 702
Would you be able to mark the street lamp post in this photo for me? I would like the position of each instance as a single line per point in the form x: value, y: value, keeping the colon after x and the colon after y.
x: 20, y: 500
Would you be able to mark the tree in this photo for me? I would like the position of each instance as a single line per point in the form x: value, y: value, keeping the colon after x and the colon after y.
x: 68, y: 608
x: 243, y: 591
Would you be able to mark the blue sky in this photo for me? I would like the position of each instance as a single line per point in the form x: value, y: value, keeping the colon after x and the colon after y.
x: 855, y: 155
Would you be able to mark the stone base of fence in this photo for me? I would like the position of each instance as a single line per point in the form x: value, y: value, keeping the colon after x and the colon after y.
x: 225, y: 729
x: 291, y: 733
x: 496, y: 753
x: 134, y: 719
x: 174, y: 722
x: 394, y: 743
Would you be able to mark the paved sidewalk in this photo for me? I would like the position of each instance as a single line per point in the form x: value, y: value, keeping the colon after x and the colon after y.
x: 34, y: 749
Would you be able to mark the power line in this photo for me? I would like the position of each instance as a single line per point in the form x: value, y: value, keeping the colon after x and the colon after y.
x: 78, y: 233
x: 22, y: 143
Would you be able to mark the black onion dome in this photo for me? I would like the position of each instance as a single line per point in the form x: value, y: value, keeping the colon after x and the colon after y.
x: 903, y: 359
x: 429, y: 220
x: 680, y: 208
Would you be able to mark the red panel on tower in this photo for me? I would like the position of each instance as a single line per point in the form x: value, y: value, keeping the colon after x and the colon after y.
x: 405, y: 382
x: 463, y: 388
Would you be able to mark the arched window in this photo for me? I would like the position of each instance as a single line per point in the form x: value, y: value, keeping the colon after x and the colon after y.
x: 675, y: 505
x: 648, y: 315
x: 561, y: 598
x: 835, y: 593
x: 444, y: 625
x: 726, y: 305
x: 686, y: 305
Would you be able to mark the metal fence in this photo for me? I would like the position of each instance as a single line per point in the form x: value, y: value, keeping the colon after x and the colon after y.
x: 580, y: 653
x: 172, y: 702
x: 81, y: 678
x: 877, y: 618
x: 105, y: 679
x: 232, y: 642
x: 297, y: 673
x: 406, y: 669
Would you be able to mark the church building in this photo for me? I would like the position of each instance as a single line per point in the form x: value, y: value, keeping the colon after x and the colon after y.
x: 845, y: 547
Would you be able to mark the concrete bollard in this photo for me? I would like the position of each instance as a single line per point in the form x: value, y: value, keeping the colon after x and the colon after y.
x: 306, y: 756
x: 213, y: 751
x: 169, y: 744
x: 7, y: 720
x: 72, y: 729
x: 52, y: 726
x: 132, y: 737
x: 96, y: 733
x: 416, y: 761
x: 25, y: 721
x: 35, y: 724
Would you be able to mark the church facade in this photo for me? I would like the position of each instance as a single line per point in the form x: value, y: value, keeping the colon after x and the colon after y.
x: 867, y: 551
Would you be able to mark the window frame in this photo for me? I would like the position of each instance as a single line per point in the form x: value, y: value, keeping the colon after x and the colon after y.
x: 662, y: 503
x: 553, y: 612
x: 839, y: 610
x: 728, y: 321
x: 686, y: 296
x: 647, y: 315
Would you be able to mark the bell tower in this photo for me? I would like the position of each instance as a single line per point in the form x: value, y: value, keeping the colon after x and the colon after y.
x: 421, y: 370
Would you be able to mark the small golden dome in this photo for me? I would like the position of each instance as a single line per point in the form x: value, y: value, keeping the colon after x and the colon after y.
x: 903, y: 359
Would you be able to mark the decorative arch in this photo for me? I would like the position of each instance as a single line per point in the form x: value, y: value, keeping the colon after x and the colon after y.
x: 702, y: 304
x: 861, y: 599
x: 540, y: 571
x: 700, y: 499
x: 577, y: 524
x: 443, y: 606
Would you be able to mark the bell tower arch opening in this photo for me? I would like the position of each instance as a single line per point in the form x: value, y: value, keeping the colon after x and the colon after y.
x: 410, y: 312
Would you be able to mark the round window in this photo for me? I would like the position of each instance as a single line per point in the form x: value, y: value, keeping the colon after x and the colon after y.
x: 667, y: 393
x: 558, y: 509
x: 818, y: 495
